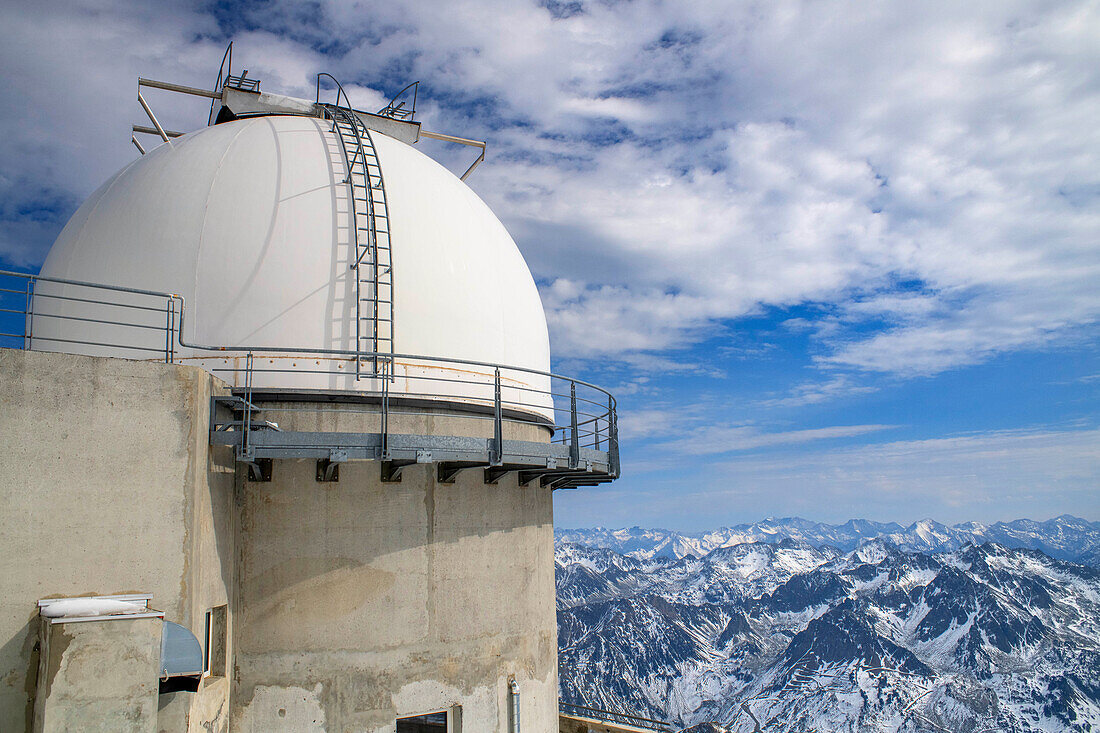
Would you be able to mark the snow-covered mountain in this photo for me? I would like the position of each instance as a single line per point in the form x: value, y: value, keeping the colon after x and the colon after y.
x: 785, y: 636
x: 1063, y: 538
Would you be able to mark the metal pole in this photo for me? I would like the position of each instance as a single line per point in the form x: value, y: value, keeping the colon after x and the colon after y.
x: 613, y: 439
x: 152, y: 83
x: 460, y: 141
x: 168, y: 331
x: 513, y: 689
x: 246, y: 442
x: 153, y: 131
x: 28, y: 322
x: 153, y: 118
x: 496, y: 456
x: 387, y: 365
x: 607, y: 419
x: 172, y: 332
x: 574, y: 440
x: 137, y: 145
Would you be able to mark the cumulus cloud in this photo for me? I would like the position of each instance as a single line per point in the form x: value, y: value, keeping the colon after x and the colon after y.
x: 1000, y: 474
x: 994, y: 475
x: 712, y: 439
x: 815, y: 392
x: 926, y: 175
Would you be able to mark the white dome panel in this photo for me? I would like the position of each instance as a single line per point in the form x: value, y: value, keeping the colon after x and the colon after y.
x: 249, y: 222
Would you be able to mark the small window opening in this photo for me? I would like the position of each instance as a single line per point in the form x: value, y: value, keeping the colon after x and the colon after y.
x: 217, y: 639
x: 430, y: 723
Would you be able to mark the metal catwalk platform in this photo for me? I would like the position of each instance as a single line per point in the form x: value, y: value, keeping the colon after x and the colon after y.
x: 579, y: 419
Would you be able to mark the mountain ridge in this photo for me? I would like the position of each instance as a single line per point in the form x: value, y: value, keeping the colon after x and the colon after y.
x: 791, y: 637
x: 1064, y: 537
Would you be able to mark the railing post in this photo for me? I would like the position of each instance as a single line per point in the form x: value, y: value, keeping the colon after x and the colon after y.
x: 28, y: 322
x: 246, y: 439
x: 168, y: 331
x: 172, y: 333
x: 612, y: 438
x: 387, y: 366
x: 496, y: 453
x: 574, y: 438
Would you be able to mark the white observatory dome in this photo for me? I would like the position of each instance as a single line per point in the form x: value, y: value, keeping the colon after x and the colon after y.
x: 249, y: 222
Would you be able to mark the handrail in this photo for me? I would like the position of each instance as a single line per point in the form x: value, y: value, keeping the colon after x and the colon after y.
x: 175, y: 313
x: 339, y: 90
x: 361, y: 154
x: 228, y: 55
x: 396, y: 112
x: 291, y: 349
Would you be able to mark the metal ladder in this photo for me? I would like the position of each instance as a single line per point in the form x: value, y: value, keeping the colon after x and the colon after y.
x: 370, y: 227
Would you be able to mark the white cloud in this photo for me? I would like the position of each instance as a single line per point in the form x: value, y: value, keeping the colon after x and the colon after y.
x: 927, y: 174
x: 998, y: 474
x: 717, y: 438
x: 815, y: 392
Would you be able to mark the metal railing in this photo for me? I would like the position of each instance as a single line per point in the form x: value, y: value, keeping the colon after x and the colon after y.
x: 74, y: 316
x: 128, y: 315
x: 610, y: 716
x: 243, y: 83
x: 396, y: 109
x: 339, y: 91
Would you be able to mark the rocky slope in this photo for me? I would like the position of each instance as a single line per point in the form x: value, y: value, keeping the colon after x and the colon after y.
x: 791, y: 637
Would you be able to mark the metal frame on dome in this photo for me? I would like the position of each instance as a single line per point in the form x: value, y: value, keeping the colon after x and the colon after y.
x: 581, y: 418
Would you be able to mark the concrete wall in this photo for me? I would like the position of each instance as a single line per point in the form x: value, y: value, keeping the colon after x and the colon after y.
x: 350, y: 603
x: 108, y: 487
x: 98, y: 676
x: 362, y: 601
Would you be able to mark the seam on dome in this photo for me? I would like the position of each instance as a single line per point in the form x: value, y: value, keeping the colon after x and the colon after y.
x: 202, y: 229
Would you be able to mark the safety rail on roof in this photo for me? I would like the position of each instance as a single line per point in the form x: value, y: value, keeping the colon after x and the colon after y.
x: 145, y: 324
x: 610, y: 716
x: 396, y: 107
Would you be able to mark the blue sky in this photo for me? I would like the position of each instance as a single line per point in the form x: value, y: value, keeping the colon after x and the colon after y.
x: 836, y: 259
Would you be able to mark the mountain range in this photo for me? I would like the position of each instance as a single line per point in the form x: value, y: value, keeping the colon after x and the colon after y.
x: 788, y: 636
x: 1063, y: 538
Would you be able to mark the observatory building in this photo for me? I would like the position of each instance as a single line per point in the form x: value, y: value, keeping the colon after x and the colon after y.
x: 279, y: 436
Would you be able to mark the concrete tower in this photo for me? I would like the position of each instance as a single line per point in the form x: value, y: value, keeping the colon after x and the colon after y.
x: 307, y: 372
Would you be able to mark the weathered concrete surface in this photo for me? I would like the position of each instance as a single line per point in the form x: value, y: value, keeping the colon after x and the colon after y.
x: 350, y: 603
x: 107, y: 486
x: 98, y: 676
x: 361, y: 601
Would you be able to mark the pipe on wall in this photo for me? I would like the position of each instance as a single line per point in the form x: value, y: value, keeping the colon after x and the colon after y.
x: 513, y: 690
